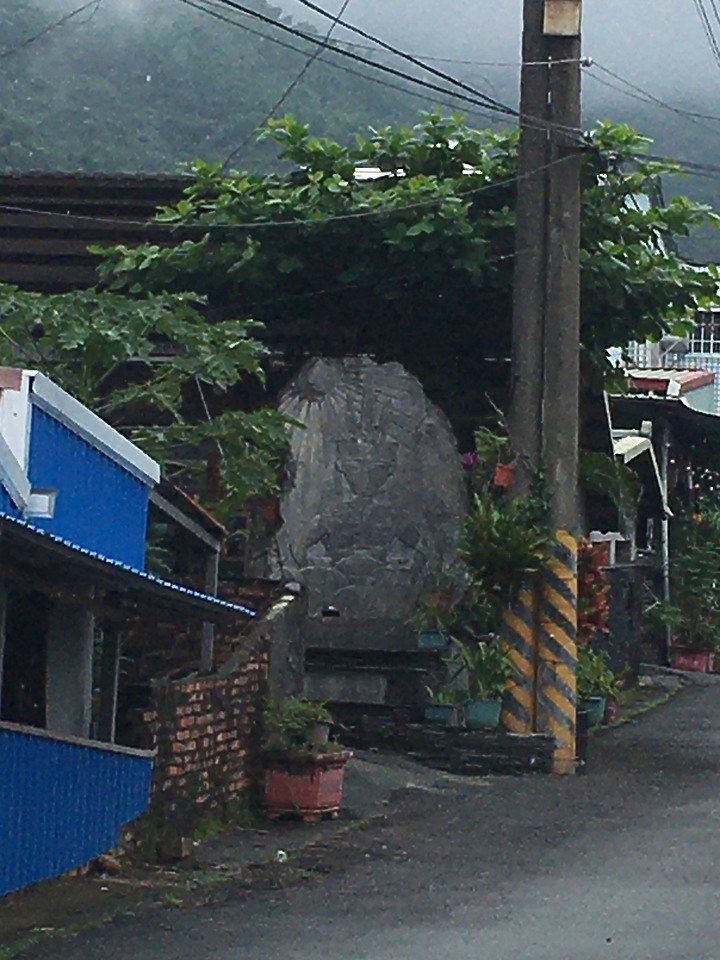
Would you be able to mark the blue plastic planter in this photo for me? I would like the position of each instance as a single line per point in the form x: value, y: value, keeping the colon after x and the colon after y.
x: 442, y: 714
x: 432, y: 640
x: 482, y: 713
x: 595, y: 707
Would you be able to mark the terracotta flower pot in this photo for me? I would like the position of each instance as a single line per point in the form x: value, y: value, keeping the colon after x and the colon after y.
x: 308, y: 788
x: 504, y: 475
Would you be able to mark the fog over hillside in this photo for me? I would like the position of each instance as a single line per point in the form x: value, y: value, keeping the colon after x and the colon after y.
x: 147, y: 84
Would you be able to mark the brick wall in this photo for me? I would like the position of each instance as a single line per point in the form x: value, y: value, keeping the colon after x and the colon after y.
x: 205, y: 729
x: 206, y: 734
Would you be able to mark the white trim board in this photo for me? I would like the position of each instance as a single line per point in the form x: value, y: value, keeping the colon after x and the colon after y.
x: 15, y: 417
x: 12, y: 476
x: 58, y: 404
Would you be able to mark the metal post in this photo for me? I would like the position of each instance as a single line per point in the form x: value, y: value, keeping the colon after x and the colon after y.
x: 207, y: 652
x: 665, y: 533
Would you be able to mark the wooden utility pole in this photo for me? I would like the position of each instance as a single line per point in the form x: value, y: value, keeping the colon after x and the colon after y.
x: 544, y: 421
x: 525, y: 414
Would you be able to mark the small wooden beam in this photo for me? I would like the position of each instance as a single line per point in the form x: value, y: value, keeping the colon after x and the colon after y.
x: 109, y: 675
x: 179, y: 517
x: 207, y: 650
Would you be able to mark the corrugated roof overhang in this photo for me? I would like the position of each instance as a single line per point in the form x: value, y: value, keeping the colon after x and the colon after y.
x: 25, y: 548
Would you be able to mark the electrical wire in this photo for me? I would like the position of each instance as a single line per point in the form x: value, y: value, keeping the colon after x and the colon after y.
x: 481, y: 108
x: 52, y: 26
x: 484, y: 101
x: 478, y: 100
x: 641, y: 94
x: 322, y: 45
x: 708, y: 29
x: 342, y: 67
x: 262, y: 224
x: 715, y: 10
x: 374, y: 282
x: 655, y: 102
x: 410, y: 58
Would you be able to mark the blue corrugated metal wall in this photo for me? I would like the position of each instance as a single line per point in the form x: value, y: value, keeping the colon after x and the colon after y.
x: 62, y: 803
x: 6, y: 503
x: 100, y: 506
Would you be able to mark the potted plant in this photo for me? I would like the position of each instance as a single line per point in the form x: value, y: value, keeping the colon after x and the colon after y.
x: 441, y: 708
x: 304, y: 769
x: 596, y: 682
x: 692, y: 615
x: 487, y: 667
x: 434, y: 611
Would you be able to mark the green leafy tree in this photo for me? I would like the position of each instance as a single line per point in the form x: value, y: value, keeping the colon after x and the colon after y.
x: 154, y: 367
x: 416, y: 265
x: 413, y: 265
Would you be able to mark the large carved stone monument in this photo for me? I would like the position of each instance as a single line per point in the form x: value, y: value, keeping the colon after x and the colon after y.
x: 374, y: 500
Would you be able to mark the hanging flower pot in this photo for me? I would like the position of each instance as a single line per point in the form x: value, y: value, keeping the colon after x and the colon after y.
x: 504, y: 475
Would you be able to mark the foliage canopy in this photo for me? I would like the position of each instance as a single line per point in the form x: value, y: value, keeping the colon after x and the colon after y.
x: 416, y: 264
x: 412, y: 263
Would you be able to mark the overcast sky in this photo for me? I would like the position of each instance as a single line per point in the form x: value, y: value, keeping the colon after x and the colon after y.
x: 659, y: 43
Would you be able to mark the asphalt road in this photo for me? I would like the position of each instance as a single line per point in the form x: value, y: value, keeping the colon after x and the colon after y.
x: 621, y: 864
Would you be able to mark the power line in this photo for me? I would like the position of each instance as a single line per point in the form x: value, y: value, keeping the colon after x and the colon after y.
x: 641, y: 94
x: 483, y: 101
x: 342, y: 67
x: 291, y: 86
x: 708, y: 29
x: 262, y: 224
x: 313, y: 39
x: 487, y: 102
x: 376, y: 281
x: 52, y: 26
x: 410, y: 58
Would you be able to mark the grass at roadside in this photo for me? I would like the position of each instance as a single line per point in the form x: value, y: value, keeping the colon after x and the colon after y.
x: 638, y: 700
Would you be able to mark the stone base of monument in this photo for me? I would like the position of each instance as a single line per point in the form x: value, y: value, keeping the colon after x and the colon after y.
x: 460, y: 751
x: 478, y: 752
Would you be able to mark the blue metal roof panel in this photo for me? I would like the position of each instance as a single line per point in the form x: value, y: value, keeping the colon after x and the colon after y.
x: 126, y: 568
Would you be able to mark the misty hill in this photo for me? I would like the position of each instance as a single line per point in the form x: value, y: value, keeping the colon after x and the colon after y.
x: 145, y: 85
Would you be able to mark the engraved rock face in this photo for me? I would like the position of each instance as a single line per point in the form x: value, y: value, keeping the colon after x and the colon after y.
x: 374, y: 500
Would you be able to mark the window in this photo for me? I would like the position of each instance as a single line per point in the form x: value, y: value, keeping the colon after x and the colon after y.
x: 705, y: 338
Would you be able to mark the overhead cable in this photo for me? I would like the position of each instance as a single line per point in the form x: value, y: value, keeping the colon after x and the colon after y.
x: 321, y: 46
x: 649, y: 97
x: 333, y: 64
x: 708, y: 29
x: 205, y: 6
x: 409, y: 57
x: 52, y: 26
x: 313, y: 39
x: 478, y: 98
x: 263, y: 224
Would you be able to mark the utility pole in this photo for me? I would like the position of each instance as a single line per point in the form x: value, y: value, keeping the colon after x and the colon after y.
x: 527, y: 353
x: 525, y: 414
x: 561, y: 394
x: 551, y: 611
